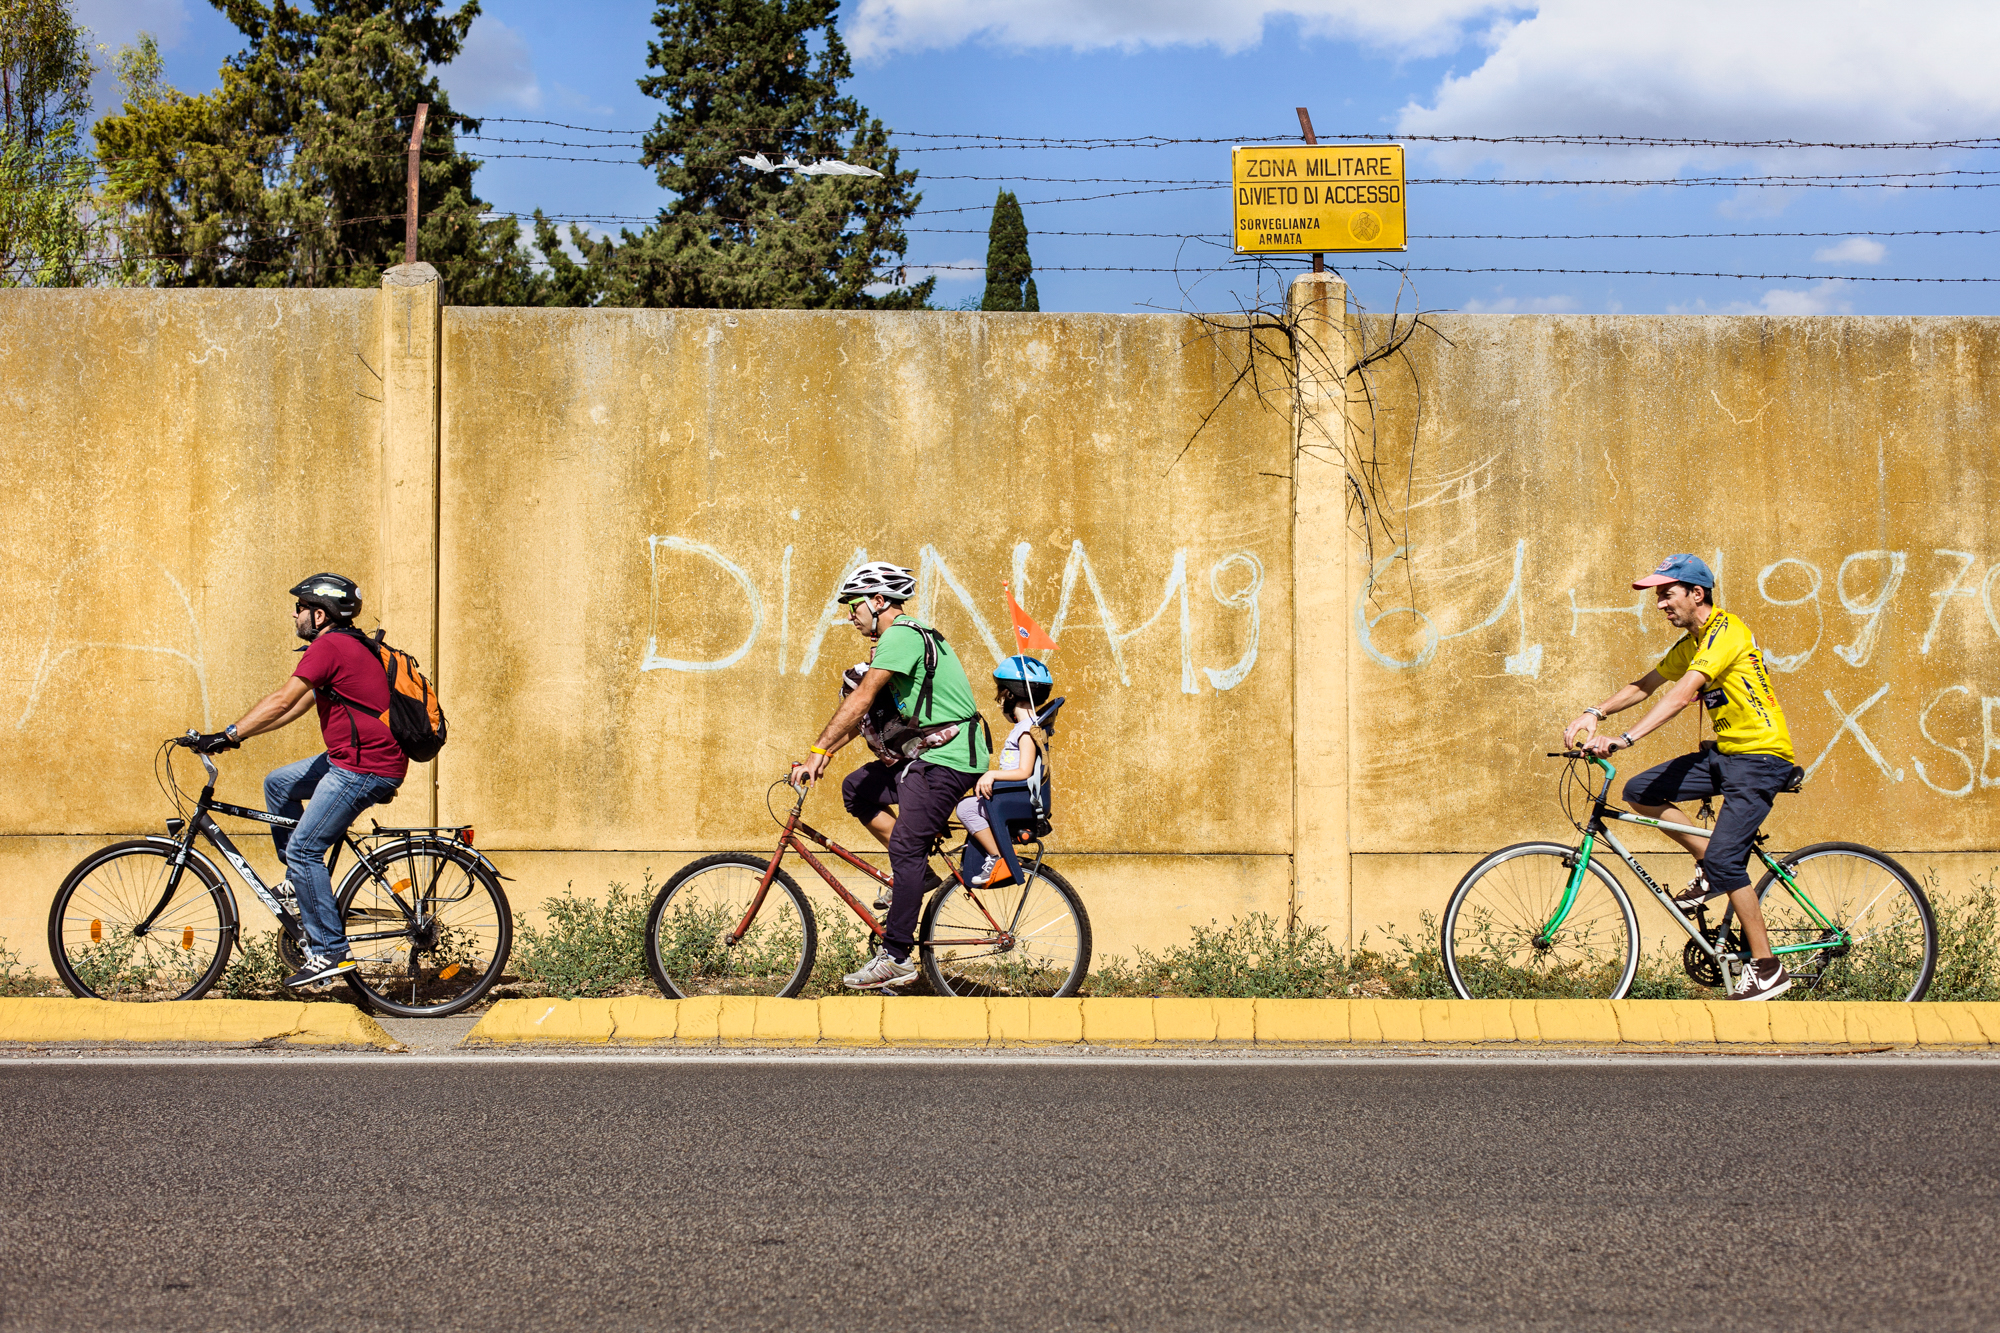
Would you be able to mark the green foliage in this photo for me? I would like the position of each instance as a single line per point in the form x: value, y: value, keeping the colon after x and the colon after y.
x: 292, y: 173
x: 589, y: 948
x: 49, y: 232
x: 17, y: 981
x: 740, y: 77
x: 1968, y: 965
x: 255, y: 971
x: 1009, y: 284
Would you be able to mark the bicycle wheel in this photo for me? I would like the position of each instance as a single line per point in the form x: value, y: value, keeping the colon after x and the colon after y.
x: 430, y: 933
x: 93, y: 920
x: 1019, y: 938
x: 688, y: 947
x: 1894, y: 943
x: 1496, y: 942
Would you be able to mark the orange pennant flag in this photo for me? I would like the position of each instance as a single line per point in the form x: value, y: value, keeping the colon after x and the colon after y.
x: 1028, y: 635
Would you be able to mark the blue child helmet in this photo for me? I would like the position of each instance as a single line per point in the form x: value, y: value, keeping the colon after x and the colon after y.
x: 1027, y: 670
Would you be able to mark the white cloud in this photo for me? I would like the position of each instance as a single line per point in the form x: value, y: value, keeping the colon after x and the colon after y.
x: 495, y: 68
x: 1520, y: 305
x: 1853, y: 250
x: 1821, y: 70
x: 1821, y: 299
x: 1414, y: 27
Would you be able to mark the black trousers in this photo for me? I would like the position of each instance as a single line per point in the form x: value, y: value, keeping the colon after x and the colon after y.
x: 1747, y: 784
x: 925, y: 796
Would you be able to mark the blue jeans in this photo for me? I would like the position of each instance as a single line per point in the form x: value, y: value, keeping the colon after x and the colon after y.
x: 337, y: 796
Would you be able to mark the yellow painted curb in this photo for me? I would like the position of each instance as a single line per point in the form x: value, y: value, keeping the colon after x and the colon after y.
x: 210, y: 1022
x: 868, y: 1020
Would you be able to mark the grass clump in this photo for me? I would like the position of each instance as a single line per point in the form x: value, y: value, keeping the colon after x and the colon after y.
x: 1257, y: 957
x: 589, y: 949
x: 255, y: 970
x: 1968, y: 965
x: 17, y: 982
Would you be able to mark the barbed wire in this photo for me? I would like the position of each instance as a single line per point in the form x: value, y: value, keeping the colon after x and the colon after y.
x: 1328, y: 140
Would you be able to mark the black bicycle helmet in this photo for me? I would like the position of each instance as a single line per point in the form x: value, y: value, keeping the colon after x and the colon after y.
x: 339, y: 597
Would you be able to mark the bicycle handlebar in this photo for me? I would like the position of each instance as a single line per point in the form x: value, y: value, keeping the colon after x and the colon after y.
x: 187, y: 742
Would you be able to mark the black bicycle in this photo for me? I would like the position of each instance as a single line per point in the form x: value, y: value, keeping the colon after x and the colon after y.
x: 153, y: 918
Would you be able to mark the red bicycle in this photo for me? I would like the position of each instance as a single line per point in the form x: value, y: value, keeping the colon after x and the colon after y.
x: 736, y: 923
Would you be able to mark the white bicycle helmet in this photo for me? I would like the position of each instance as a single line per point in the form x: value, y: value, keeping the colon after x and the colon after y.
x: 878, y: 577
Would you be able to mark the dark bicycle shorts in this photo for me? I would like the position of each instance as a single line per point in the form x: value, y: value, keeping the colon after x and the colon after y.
x: 869, y: 789
x: 1747, y: 784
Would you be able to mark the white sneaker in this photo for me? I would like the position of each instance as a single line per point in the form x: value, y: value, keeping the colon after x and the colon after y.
x: 880, y: 972
x: 1759, y: 984
x: 985, y: 872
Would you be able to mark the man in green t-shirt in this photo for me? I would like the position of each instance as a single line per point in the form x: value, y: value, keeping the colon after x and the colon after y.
x: 946, y: 744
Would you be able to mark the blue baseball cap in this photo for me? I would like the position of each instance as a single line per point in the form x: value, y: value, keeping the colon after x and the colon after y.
x: 1679, y: 569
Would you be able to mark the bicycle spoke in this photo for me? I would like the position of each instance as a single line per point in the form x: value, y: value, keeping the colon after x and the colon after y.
x: 104, y: 900
x: 1891, y: 938
x: 1045, y: 950
x: 1497, y: 942
x: 692, y: 946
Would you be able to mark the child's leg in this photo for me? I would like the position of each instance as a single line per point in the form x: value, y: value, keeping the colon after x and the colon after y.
x: 978, y: 831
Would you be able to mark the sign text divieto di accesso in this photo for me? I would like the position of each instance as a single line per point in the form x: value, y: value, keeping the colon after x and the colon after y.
x: 1294, y: 198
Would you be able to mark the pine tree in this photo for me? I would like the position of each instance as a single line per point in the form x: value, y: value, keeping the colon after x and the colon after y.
x: 1009, y: 284
x: 48, y: 234
x: 293, y: 172
x: 739, y: 78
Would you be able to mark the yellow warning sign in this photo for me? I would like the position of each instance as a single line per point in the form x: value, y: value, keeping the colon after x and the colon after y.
x: 1296, y: 198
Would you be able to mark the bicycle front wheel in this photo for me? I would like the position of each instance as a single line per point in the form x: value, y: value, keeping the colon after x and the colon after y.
x: 1016, y: 939
x: 691, y: 947
x: 428, y: 927
x: 1892, y: 937
x: 93, y: 925
x: 1497, y: 940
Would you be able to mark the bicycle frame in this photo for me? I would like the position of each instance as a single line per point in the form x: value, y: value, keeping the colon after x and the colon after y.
x: 1597, y: 829
x: 184, y: 833
x: 794, y: 838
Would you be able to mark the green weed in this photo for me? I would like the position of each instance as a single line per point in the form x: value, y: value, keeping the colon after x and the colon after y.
x: 588, y: 949
x: 17, y: 981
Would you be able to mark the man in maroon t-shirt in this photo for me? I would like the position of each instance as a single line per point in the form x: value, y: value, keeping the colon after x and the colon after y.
x: 362, y: 765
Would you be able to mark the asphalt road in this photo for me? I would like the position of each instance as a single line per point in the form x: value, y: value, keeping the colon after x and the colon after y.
x: 975, y: 1195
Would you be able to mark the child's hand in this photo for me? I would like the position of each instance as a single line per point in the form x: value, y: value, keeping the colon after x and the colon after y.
x: 983, y: 788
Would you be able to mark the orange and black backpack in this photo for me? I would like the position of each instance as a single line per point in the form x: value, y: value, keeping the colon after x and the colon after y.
x: 415, y: 718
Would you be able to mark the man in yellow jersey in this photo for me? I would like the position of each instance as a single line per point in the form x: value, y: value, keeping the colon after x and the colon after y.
x: 1718, y: 662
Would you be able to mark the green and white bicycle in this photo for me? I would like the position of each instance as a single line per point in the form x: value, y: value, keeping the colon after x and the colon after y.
x: 1546, y: 919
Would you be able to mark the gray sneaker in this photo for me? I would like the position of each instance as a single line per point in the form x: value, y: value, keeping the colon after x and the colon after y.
x: 880, y: 972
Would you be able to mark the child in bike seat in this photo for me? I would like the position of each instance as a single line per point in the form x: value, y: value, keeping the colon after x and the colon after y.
x: 1022, y: 688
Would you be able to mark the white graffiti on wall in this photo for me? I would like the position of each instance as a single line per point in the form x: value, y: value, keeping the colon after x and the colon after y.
x: 59, y: 646
x: 1235, y: 582
x: 1865, y: 583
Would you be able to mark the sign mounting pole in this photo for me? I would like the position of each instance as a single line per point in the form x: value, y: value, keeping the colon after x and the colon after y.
x: 410, y: 210
x: 1305, y: 127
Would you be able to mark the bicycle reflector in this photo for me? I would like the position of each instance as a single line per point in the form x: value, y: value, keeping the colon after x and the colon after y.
x: 449, y: 972
x: 465, y: 835
x: 96, y: 931
x: 187, y: 937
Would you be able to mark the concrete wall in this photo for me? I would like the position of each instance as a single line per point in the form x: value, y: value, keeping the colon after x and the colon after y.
x: 614, y: 535
x: 1837, y: 475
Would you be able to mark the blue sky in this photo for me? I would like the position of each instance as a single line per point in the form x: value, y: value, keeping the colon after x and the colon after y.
x: 1845, y: 71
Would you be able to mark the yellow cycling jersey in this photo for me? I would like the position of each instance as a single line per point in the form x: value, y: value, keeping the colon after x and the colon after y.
x: 1740, y: 701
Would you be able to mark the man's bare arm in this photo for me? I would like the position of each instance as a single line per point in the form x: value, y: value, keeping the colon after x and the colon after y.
x: 1682, y: 693
x: 1584, y: 727
x: 281, y: 707
x: 846, y: 722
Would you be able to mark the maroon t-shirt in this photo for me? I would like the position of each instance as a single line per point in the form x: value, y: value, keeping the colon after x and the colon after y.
x: 339, y: 664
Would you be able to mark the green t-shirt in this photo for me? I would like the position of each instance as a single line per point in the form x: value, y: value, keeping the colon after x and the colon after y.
x: 951, y: 694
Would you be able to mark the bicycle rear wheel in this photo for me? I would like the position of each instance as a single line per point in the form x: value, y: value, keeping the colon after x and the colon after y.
x: 96, y: 911
x: 1894, y: 940
x: 1016, y: 939
x: 430, y: 933
x: 688, y: 946
x: 1495, y: 938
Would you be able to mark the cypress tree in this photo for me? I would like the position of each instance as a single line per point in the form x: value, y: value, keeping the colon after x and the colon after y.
x: 1009, y: 281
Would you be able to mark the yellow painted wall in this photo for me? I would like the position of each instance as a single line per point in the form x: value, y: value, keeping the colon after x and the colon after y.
x: 614, y: 534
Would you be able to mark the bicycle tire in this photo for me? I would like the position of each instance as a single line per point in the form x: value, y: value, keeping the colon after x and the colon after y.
x: 112, y: 890
x: 687, y: 929
x: 1042, y: 950
x: 1491, y: 935
x: 1897, y: 967
x: 444, y: 927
